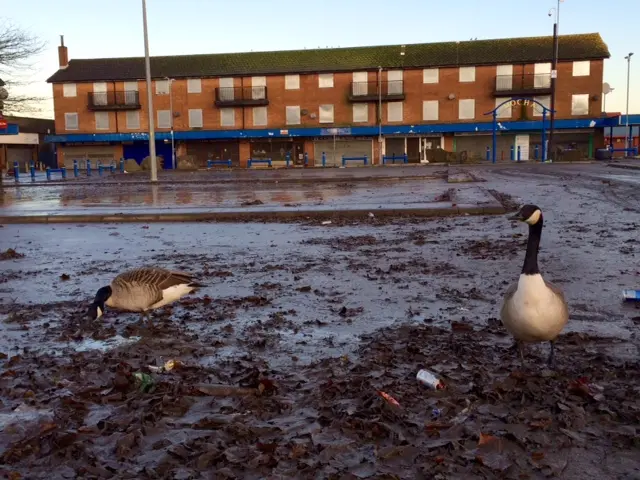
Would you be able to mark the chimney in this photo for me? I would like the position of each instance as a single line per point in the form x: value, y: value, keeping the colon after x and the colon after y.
x: 63, y: 54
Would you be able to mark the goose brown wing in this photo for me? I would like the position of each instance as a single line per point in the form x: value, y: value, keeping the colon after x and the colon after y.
x: 560, y: 294
x: 154, y: 277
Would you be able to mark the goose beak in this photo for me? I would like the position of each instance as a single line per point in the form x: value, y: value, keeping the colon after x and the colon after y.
x: 515, y: 218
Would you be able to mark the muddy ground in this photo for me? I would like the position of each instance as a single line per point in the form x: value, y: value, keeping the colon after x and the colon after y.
x: 284, y: 357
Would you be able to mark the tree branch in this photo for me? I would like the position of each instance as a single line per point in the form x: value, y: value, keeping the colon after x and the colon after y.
x: 18, y: 50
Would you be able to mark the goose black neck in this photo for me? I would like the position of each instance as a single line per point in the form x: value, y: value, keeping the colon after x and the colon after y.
x: 530, y: 266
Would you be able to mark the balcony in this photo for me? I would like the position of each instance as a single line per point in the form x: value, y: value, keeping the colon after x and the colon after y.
x: 241, y: 96
x: 527, y: 84
x: 368, y: 91
x: 129, y: 100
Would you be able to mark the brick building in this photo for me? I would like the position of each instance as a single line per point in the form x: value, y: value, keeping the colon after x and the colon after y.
x: 25, y: 143
x: 264, y: 104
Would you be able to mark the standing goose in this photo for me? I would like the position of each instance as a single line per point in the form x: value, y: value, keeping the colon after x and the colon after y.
x: 534, y: 310
x: 141, y: 290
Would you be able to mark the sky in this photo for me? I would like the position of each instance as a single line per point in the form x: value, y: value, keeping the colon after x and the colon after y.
x: 113, y: 28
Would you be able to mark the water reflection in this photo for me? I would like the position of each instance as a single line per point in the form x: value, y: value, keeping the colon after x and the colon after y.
x: 159, y: 196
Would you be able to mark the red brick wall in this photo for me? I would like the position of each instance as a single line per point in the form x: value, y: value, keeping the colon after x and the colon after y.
x: 309, y: 97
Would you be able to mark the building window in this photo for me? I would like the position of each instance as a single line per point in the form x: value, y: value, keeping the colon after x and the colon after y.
x: 293, y: 115
x: 258, y: 88
x: 467, y: 109
x: 582, y: 68
x: 580, y: 104
x: 542, y: 75
x: 102, y: 120
x: 69, y: 90
x: 430, y: 75
x: 131, y: 93
x: 467, y: 74
x: 100, y: 93
x: 226, y: 92
x: 162, y: 87
x: 544, y: 100
x: 194, y: 85
x: 164, y: 119
x: 394, y: 82
x: 504, y: 77
x: 325, y: 80
x: 259, y: 116
x: 359, y: 83
x: 133, y: 120
x: 360, y: 112
x: 195, y: 118
x: 506, y: 110
x: 227, y: 117
x: 394, y: 112
x: 326, y: 114
x: 71, y: 121
x: 430, y: 110
x: 292, y: 82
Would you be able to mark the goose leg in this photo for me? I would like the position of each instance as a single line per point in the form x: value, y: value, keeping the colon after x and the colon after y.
x: 552, y: 356
x: 521, y: 351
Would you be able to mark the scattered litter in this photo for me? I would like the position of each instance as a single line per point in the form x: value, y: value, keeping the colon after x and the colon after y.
x: 144, y: 381
x: 64, y: 277
x: 371, y: 215
x: 326, y: 222
x: 167, y: 367
x: 631, y: 294
x: 389, y: 399
x: 428, y: 379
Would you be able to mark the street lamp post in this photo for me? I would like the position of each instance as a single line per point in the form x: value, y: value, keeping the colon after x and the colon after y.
x: 628, y: 134
x: 147, y: 66
x: 380, y: 113
x: 173, y: 149
x: 554, y: 74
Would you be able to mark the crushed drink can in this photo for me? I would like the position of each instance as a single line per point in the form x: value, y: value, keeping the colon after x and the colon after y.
x: 429, y: 379
x: 143, y: 381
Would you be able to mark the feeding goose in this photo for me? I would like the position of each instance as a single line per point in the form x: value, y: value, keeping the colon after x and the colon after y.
x: 534, y: 310
x: 141, y: 290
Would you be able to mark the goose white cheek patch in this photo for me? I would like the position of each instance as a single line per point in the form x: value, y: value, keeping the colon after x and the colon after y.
x: 533, y: 219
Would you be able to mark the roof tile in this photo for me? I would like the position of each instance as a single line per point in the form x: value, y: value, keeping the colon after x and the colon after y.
x: 474, y: 52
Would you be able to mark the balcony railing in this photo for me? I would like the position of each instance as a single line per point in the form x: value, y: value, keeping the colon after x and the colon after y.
x: 391, y: 90
x: 527, y: 84
x: 127, y: 100
x: 240, y: 96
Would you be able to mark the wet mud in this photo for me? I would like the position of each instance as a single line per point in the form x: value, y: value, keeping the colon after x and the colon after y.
x: 298, y: 359
x: 84, y: 415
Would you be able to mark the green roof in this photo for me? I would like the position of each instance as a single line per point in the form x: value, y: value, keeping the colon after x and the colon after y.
x: 445, y: 54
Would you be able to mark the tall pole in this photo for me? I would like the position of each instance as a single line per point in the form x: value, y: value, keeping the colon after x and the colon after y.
x: 380, y: 112
x: 554, y: 75
x: 147, y: 66
x: 173, y: 149
x: 629, y: 136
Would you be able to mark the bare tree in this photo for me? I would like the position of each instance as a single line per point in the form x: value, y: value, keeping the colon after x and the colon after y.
x: 18, y: 50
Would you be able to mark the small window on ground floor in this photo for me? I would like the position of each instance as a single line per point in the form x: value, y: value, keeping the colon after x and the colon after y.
x: 259, y: 116
x: 102, y: 120
x: 394, y: 112
x: 227, y: 117
x: 71, y: 121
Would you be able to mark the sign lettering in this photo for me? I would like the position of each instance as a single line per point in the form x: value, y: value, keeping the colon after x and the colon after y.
x: 520, y: 101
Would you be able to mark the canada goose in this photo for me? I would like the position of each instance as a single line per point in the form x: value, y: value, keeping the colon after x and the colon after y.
x: 142, y: 289
x: 534, y: 310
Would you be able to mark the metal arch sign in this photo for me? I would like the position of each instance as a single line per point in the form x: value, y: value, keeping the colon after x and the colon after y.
x: 521, y: 101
